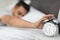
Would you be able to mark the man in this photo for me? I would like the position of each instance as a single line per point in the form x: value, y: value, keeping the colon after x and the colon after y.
x: 20, y: 10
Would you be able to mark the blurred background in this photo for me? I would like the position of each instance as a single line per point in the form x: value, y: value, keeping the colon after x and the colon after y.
x: 5, y: 3
x: 46, y: 6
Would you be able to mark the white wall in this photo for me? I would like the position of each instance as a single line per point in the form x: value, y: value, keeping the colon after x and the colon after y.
x: 5, y: 3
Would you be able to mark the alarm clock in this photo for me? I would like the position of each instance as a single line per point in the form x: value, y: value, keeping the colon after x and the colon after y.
x: 51, y: 28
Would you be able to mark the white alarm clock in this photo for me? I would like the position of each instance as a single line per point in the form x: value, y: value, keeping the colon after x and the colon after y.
x: 51, y: 28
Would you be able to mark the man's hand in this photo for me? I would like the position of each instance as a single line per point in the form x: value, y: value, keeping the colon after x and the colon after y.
x: 49, y: 17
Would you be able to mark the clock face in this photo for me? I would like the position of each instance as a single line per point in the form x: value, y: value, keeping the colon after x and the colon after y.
x: 49, y: 29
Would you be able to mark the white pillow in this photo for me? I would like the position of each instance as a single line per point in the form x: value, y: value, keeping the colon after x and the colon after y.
x: 33, y: 16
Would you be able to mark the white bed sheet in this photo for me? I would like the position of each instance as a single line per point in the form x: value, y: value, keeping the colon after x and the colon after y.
x: 40, y: 36
x: 11, y: 33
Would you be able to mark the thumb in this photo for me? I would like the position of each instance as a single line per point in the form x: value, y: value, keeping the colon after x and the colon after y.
x: 43, y: 19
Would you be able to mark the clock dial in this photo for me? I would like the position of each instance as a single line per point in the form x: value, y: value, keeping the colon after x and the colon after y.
x: 49, y: 29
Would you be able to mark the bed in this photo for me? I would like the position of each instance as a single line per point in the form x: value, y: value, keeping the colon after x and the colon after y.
x: 12, y: 33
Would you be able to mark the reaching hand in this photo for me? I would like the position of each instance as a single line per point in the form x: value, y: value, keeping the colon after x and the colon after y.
x: 49, y: 17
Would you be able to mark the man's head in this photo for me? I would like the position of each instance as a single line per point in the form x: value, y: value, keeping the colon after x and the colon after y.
x: 20, y: 9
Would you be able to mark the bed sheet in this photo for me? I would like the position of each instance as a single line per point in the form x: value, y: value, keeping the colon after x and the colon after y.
x: 12, y: 33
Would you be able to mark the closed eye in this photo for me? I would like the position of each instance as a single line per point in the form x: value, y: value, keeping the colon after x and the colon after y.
x: 19, y: 13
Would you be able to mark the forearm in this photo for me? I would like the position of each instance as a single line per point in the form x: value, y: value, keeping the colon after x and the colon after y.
x: 18, y: 22
x: 21, y: 23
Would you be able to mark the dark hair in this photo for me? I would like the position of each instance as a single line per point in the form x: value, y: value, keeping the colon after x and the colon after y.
x: 22, y: 3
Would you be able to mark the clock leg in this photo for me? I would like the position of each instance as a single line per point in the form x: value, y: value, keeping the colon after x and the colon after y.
x: 59, y: 27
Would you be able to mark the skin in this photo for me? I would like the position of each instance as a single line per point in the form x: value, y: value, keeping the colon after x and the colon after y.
x: 16, y: 21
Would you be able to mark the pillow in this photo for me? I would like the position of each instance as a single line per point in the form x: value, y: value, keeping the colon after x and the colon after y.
x: 33, y: 15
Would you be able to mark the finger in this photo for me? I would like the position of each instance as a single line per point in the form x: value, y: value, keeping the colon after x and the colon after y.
x: 51, y: 14
x: 48, y: 16
x: 43, y: 19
